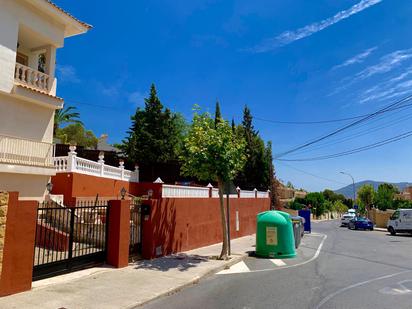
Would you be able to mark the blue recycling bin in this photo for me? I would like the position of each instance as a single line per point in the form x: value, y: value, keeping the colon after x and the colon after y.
x: 305, y: 214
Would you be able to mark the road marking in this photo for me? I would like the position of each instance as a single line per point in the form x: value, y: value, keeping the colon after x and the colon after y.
x: 397, y: 291
x: 329, y: 297
x: 314, y: 257
x: 240, y: 267
x: 277, y: 262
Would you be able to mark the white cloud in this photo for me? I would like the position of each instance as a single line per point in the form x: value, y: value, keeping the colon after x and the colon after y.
x: 359, y: 58
x: 290, y: 36
x: 386, y: 63
x: 136, y: 98
x: 67, y: 73
x: 386, y: 92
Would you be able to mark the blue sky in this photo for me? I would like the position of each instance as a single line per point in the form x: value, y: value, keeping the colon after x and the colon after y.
x: 287, y: 60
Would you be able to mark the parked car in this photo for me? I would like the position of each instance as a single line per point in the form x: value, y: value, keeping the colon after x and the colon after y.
x: 400, y: 222
x: 347, y: 217
x: 360, y: 223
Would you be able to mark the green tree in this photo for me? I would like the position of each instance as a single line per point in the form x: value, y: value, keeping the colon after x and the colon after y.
x: 366, y: 194
x: 255, y: 171
x: 212, y: 154
x: 317, y: 202
x: 78, y: 134
x: 67, y: 115
x: 339, y: 207
x: 155, y: 135
x: 385, y: 195
x: 218, y: 114
x: 272, y: 183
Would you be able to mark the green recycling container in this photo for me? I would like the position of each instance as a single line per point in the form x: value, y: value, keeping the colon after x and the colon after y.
x: 274, y: 235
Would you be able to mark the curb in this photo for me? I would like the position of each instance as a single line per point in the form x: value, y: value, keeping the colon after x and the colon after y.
x: 234, y: 260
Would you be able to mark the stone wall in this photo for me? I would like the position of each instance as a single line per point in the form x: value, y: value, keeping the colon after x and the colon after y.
x: 4, y: 201
x: 379, y: 217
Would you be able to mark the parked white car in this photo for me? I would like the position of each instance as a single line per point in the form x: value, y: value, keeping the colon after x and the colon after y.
x: 346, y: 217
x: 400, y: 222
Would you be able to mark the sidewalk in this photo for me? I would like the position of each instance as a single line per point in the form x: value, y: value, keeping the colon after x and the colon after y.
x: 140, y: 282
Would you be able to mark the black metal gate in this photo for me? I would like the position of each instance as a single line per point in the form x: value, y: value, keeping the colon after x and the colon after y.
x: 69, y: 239
x: 135, y: 244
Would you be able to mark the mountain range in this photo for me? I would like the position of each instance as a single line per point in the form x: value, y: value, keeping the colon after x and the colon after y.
x: 348, y: 190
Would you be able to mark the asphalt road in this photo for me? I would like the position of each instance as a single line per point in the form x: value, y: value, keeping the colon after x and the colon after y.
x: 352, y: 269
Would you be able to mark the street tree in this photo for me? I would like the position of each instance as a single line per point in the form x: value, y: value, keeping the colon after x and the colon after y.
x: 339, y: 207
x: 384, y: 196
x: 317, y: 202
x: 211, y: 153
x: 366, y: 194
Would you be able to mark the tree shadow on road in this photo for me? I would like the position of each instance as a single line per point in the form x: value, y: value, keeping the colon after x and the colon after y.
x: 181, y: 262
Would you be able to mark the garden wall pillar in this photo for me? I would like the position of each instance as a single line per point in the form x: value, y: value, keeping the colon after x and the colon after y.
x: 119, y: 233
x: 17, y: 236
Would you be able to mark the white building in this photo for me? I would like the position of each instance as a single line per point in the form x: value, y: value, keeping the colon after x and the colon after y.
x: 30, y: 33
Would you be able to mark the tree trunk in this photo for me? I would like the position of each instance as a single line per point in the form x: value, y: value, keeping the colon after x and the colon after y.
x: 223, y: 254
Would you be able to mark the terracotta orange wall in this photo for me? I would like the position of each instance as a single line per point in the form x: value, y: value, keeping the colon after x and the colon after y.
x: 18, y: 249
x: 180, y: 224
x: 73, y: 185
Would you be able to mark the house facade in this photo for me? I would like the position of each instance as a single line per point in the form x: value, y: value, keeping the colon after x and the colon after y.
x: 30, y: 33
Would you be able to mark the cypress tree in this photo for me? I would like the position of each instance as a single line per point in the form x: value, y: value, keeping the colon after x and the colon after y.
x: 154, y: 136
x: 218, y: 115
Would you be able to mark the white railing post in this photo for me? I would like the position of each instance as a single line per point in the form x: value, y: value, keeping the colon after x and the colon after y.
x: 255, y: 190
x: 121, y: 166
x: 210, y: 189
x: 101, y: 162
x: 71, y: 162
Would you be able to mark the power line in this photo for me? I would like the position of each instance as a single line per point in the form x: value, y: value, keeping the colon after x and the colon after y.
x: 322, y: 121
x: 355, y: 150
x: 310, y: 174
x: 352, y: 124
x: 359, y: 134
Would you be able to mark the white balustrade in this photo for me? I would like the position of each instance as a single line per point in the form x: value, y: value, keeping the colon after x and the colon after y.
x: 15, y: 150
x: 262, y: 194
x: 215, y: 192
x: 30, y: 77
x: 247, y: 194
x: 184, y: 191
x: 74, y: 164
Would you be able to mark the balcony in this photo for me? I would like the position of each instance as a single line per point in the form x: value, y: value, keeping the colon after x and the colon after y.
x: 32, y: 78
x: 25, y: 152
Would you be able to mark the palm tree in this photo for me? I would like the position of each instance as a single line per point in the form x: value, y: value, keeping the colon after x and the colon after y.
x: 67, y: 115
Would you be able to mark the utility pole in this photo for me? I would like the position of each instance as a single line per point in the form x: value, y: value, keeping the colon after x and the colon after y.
x: 353, y: 186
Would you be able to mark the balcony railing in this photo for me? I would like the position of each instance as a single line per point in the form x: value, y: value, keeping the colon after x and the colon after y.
x: 25, y: 152
x: 74, y: 164
x: 30, y: 77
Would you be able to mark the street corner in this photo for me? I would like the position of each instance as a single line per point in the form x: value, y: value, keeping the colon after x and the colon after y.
x: 308, y: 251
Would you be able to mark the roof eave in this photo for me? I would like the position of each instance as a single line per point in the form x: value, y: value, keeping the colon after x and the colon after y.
x: 73, y: 25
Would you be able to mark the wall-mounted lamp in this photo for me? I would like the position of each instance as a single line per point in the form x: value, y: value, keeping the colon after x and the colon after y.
x: 49, y: 187
x: 123, y: 192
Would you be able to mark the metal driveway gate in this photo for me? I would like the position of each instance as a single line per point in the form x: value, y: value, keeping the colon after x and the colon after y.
x: 135, y: 244
x: 69, y: 239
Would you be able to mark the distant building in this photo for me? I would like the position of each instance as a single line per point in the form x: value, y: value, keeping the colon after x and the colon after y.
x: 287, y: 195
x: 103, y: 145
x: 406, y: 194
